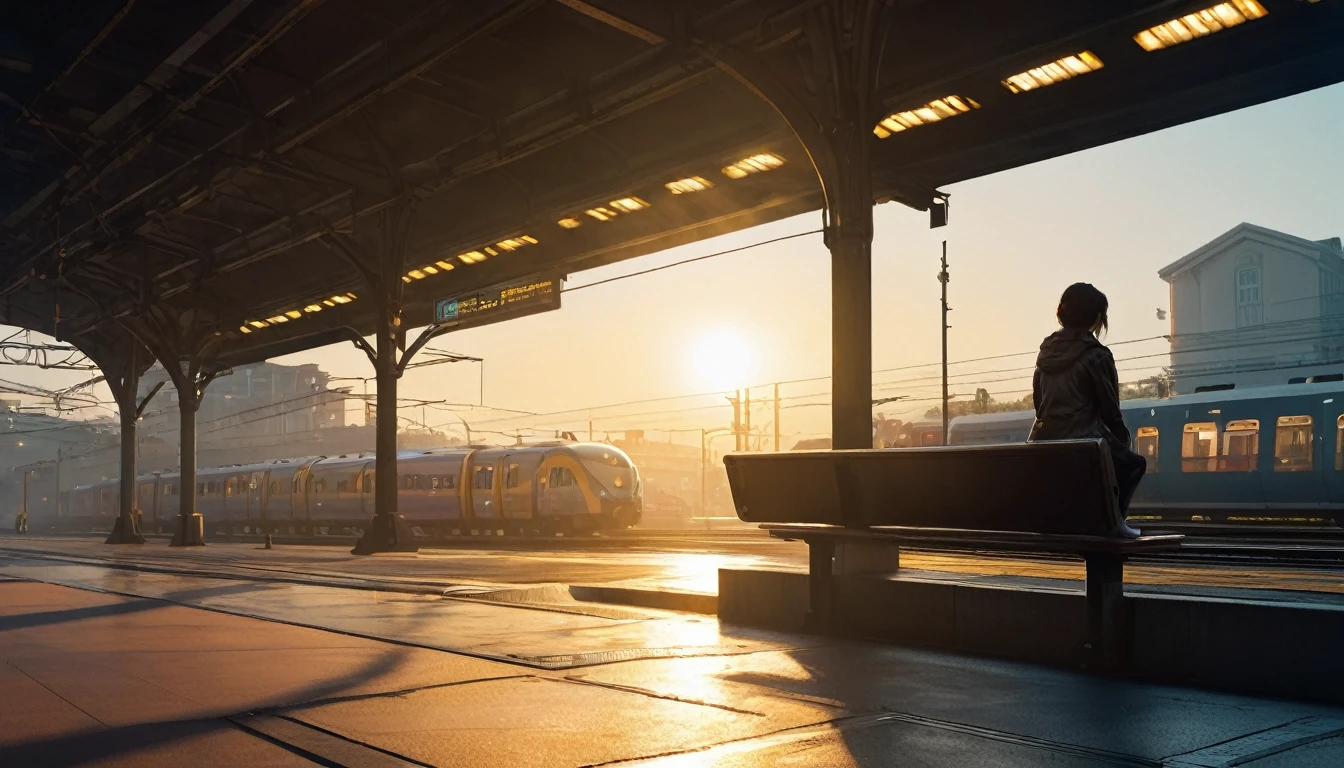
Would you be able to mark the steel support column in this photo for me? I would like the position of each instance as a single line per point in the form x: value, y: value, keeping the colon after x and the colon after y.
x: 832, y: 112
x: 849, y: 236
x: 387, y: 531
x: 185, y: 344
x: 122, y: 361
x: 189, y: 529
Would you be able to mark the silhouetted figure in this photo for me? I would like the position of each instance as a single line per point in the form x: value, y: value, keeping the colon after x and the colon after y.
x: 1076, y: 389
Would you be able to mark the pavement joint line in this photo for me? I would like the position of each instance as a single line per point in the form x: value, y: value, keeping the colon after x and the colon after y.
x: 281, y: 709
x: 813, y: 730
x: 653, y: 694
x: 492, y: 596
x: 256, y: 726
x: 522, y: 661
x: 48, y: 689
x: 1256, y: 745
x: 495, y: 594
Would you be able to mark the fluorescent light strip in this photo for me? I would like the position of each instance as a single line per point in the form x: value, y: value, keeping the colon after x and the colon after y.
x: 1056, y: 71
x: 754, y: 164
x: 934, y: 111
x: 1200, y: 24
x: 688, y: 184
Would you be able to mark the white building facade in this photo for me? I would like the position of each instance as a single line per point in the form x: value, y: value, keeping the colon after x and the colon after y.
x: 1256, y: 307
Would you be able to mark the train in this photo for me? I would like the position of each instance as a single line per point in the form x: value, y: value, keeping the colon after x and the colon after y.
x: 560, y: 487
x: 1205, y: 459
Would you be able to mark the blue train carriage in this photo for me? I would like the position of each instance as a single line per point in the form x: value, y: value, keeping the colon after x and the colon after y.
x: 1262, y: 455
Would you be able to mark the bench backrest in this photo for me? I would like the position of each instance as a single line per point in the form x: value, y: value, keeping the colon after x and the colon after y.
x: 1062, y: 487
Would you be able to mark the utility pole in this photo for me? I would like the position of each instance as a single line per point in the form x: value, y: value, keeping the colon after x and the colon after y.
x: 590, y: 430
x: 776, y: 418
x: 944, y: 277
x: 704, y: 460
x: 736, y: 400
x: 746, y: 417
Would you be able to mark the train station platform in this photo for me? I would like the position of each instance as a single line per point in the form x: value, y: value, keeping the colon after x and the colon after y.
x: 680, y: 569
x: 113, y: 666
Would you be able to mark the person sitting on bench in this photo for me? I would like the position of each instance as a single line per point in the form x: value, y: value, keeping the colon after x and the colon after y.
x: 1076, y: 388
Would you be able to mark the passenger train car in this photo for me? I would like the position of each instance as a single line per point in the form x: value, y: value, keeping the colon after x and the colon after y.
x: 1260, y: 455
x: 557, y: 487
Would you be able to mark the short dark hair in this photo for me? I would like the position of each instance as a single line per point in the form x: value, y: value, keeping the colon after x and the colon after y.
x: 1083, y: 308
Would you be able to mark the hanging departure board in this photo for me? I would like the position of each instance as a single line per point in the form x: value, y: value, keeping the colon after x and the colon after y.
x: 506, y: 301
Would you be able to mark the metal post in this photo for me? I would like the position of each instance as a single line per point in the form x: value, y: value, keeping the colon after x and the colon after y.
x: 190, y: 525
x: 746, y: 419
x: 776, y: 418
x: 21, y: 519
x: 944, y: 277
x: 704, y: 460
x: 737, y: 420
x: 849, y: 236
x: 481, y: 363
x: 386, y: 531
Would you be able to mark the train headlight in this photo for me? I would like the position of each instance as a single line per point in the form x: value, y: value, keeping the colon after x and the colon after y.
x: 620, y: 482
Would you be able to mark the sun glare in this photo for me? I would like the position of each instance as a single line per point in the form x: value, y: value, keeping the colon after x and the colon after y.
x: 723, y: 360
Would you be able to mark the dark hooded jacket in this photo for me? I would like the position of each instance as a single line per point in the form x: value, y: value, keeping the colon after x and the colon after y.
x: 1077, y: 391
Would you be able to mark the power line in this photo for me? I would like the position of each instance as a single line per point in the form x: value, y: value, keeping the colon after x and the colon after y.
x: 692, y: 260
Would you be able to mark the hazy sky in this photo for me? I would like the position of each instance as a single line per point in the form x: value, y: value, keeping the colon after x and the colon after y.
x: 1111, y: 216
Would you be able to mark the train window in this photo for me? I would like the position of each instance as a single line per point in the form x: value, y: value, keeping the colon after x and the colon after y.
x: 449, y: 481
x: 229, y: 487
x: 1339, y: 443
x: 561, y: 477
x: 319, y: 486
x: 167, y: 489
x: 1199, y: 447
x: 1145, y: 444
x: 511, y: 477
x: 434, y: 482
x: 275, y: 487
x: 368, y: 482
x: 1241, y: 446
x: 408, y: 482
x: 1292, y: 444
x: 342, y: 486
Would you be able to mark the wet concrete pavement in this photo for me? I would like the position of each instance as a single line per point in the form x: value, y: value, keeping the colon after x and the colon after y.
x: 111, y: 666
x: 683, y: 563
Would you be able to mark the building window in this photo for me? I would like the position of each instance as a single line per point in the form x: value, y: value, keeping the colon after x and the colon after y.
x: 1249, y: 309
x: 1241, y: 446
x: 1145, y: 444
x: 1292, y: 444
x: 1199, y: 447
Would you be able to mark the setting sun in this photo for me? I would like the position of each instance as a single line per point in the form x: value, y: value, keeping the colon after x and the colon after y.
x: 723, y: 360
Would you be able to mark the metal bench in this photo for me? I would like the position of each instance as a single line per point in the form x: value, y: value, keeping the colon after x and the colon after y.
x: 1050, y: 497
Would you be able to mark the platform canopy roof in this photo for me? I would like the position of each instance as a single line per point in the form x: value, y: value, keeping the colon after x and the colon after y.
x: 224, y: 162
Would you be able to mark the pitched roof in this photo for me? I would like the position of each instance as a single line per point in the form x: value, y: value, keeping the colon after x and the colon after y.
x: 1320, y: 250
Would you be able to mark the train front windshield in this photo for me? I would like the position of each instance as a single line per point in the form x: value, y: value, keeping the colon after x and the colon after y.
x: 611, y: 467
